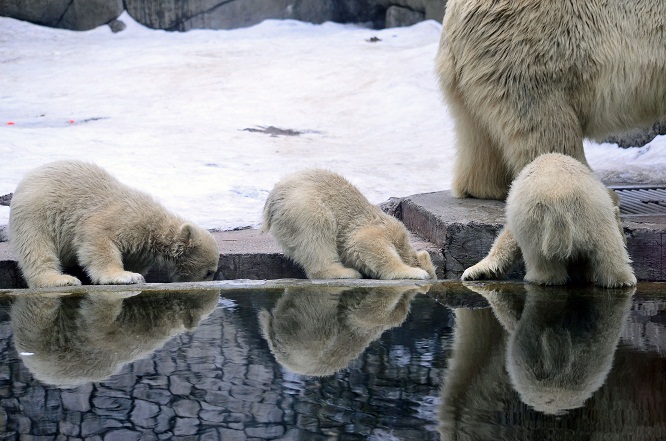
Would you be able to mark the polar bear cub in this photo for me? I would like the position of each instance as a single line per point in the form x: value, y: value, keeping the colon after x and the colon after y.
x: 70, y: 213
x: 559, y: 215
x: 328, y: 227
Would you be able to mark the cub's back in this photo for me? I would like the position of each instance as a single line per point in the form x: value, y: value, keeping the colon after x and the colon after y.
x: 555, y: 178
x: 323, y: 187
x: 71, y: 185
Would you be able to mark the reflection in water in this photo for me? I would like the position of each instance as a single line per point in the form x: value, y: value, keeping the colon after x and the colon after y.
x: 551, y: 349
x: 426, y: 378
x: 67, y: 341
x: 561, y: 345
x: 318, y: 332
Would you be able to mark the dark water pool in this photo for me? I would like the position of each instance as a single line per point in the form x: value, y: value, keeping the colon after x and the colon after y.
x: 451, y: 362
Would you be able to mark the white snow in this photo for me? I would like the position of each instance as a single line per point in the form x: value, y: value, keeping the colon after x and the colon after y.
x: 165, y: 112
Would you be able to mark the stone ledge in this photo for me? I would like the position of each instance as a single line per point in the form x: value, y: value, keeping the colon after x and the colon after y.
x: 466, y: 228
x: 244, y: 254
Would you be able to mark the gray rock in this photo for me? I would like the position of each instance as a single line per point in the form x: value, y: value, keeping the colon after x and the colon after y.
x: 95, y: 425
x: 219, y: 14
x: 265, y: 432
x: 175, y: 15
x: 186, y: 426
x: 77, y: 399
x: 112, y: 406
x: 179, y: 386
x: 187, y: 408
x: 231, y: 435
x: 397, y: 16
x: 638, y: 137
x: 431, y: 9
x: 158, y: 396
x: 143, y: 413
x: 77, y: 15
x: 122, y: 435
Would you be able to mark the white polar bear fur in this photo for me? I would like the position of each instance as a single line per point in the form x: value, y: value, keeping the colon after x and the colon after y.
x: 70, y: 213
x: 558, y: 215
x: 67, y: 341
x: 327, y: 226
x: 319, y: 332
x: 550, y: 348
x: 527, y: 77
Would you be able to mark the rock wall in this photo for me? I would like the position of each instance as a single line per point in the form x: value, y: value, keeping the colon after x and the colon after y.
x: 183, y: 15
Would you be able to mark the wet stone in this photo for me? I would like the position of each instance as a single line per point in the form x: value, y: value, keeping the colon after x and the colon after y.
x: 144, y: 412
x: 265, y: 432
x: 19, y: 389
x: 112, y: 406
x: 219, y: 398
x: 213, y: 416
x: 159, y: 396
x: 71, y: 426
x: 209, y: 383
x: 77, y: 399
x: 122, y: 435
x: 5, y: 391
x: 231, y: 435
x: 165, y: 366
x: 178, y: 386
x: 186, y: 426
x: 246, y: 393
x: 186, y: 408
x: 95, y: 425
x: 164, y: 419
x: 267, y: 413
x: 209, y: 435
x: 143, y: 367
x: 160, y: 381
x: 23, y: 424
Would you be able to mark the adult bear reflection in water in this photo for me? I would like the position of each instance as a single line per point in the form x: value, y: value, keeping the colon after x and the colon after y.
x: 319, y: 332
x: 549, y: 350
x: 68, y: 341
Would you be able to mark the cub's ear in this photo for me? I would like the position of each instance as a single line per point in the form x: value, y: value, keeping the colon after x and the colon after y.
x: 182, y: 240
x: 187, y: 234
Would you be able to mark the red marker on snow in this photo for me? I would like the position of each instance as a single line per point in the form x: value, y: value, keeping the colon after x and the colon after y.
x: 10, y: 123
x: 71, y: 121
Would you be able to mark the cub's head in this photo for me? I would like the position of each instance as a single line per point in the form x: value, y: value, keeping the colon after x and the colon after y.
x: 194, y: 255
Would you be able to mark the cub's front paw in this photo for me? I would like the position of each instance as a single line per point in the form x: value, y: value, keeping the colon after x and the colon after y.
x: 480, y: 271
x: 121, y: 278
x: 409, y: 273
x: 54, y: 280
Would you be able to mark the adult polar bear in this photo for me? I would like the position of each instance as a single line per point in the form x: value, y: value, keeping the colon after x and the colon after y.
x: 527, y: 77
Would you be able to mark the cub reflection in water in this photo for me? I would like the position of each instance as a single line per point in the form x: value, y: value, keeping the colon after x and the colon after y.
x: 550, y: 349
x: 319, y: 332
x: 67, y: 341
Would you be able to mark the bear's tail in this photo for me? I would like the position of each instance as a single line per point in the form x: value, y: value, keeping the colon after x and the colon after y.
x: 558, y: 234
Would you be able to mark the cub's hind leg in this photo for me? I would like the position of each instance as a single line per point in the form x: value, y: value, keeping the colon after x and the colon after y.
x: 312, y: 243
x: 39, y: 261
x: 376, y: 255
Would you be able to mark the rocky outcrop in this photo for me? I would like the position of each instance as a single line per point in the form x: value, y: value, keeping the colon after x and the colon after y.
x: 79, y: 15
x: 177, y: 15
x: 638, y: 137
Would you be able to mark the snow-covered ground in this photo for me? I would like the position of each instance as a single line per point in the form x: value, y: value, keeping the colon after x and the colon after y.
x: 167, y: 112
